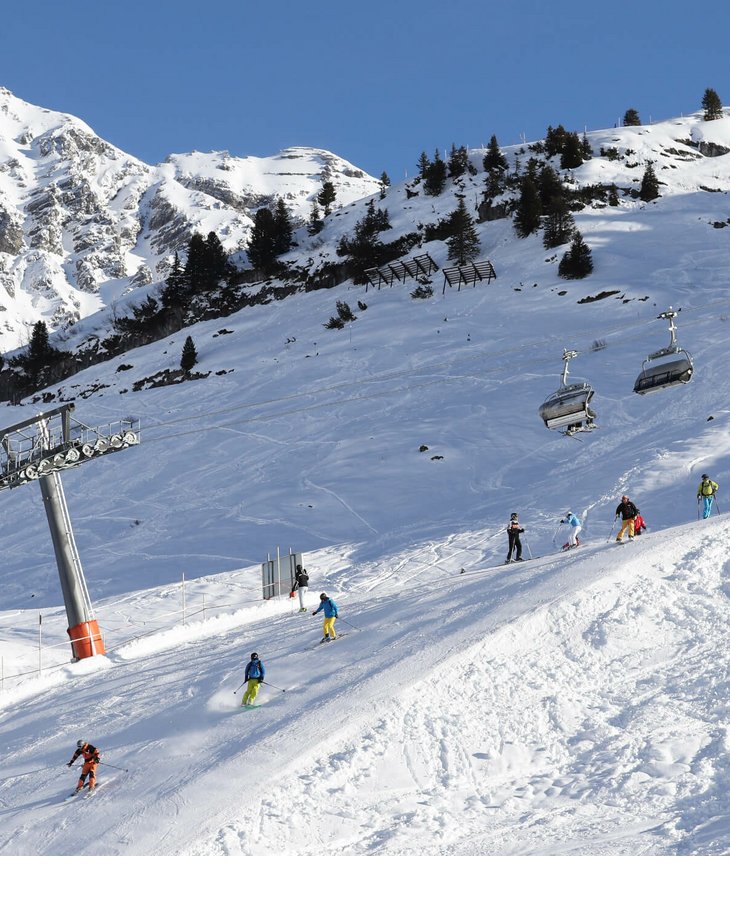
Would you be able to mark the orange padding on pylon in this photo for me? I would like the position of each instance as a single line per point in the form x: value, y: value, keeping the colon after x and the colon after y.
x: 86, y: 639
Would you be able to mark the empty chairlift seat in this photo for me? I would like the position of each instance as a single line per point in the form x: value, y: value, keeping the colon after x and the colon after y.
x: 667, y: 367
x: 568, y: 409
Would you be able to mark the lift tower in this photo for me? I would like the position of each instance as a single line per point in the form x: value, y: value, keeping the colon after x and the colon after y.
x: 39, y: 449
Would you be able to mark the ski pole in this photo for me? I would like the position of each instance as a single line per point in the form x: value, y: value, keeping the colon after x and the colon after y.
x: 283, y: 690
x: 349, y: 623
x: 113, y: 767
x: 32, y: 772
x: 527, y: 543
x: 239, y: 687
x: 612, y: 527
x: 717, y: 506
x: 556, y: 532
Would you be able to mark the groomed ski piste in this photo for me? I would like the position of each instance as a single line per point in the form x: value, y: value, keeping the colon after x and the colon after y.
x: 575, y: 704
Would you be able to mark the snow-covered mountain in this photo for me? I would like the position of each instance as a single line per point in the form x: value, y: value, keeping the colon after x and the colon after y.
x: 575, y: 704
x: 83, y: 224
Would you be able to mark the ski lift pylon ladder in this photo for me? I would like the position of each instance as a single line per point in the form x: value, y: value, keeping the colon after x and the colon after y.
x: 673, y: 364
x: 567, y: 409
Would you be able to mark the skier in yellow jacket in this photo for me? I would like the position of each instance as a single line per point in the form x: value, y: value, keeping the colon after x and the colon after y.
x: 706, y: 491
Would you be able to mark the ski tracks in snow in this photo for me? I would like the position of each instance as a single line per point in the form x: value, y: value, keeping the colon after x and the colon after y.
x: 574, y: 730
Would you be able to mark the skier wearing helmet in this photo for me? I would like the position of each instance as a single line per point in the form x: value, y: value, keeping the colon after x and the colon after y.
x: 255, y: 673
x: 92, y: 758
x: 300, y: 586
x: 330, y: 614
x: 514, y: 530
x: 706, y: 492
x: 575, y: 526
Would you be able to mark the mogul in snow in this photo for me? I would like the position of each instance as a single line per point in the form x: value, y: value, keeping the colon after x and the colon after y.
x: 255, y: 674
x: 574, y: 523
x: 300, y: 586
x: 628, y: 513
x: 514, y: 530
x: 92, y: 758
x: 330, y: 614
x: 706, y: 492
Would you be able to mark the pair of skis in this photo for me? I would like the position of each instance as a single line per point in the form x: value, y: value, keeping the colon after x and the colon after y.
x: 85, y: 791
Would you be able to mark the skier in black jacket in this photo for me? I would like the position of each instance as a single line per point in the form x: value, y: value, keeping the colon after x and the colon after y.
x: 301, y: 586
x: 628, y: 513
x: 514, y: 530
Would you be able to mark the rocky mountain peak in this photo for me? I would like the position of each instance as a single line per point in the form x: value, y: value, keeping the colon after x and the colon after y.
x: 82, y: 223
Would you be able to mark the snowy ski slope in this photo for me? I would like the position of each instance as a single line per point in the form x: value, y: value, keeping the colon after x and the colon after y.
x: 573, y: 705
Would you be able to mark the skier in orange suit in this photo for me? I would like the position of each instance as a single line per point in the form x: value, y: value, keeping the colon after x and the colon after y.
x: 92, y: 758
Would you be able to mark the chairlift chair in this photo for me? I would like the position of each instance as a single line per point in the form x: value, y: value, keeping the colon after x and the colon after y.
x: 675, y: 366
x: 567, y: 410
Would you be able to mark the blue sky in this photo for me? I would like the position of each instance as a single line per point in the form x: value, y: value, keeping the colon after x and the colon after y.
x: 374, y: 82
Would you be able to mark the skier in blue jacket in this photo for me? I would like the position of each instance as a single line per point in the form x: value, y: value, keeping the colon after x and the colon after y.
x: 255, y: 674
x: 330, y: 614
x: 574, y: 523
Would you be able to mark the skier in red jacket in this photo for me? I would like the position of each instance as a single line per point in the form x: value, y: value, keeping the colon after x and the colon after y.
x: 92, y: 758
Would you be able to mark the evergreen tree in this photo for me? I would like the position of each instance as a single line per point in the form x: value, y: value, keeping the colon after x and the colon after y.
x: 175, y: 293
x: 554, y: 140
x: 495, y: 183
x: 436, y: 174
x: 551, y: 188
x: 282, y: 228
x: 315, y: 224
x: 578, y: 261
x: 613, y: 195
x: 189, y: 357
x: 529, y: 209
x: 326, y: 197
x: 532, y: 169
x: 195, y: 265
x: 458, y: 161
x: 344, y: 312
x: 712, y: 105
x: 494, y: 158
x: 215, y: 264
x: 384, y: 185
x: 572, y: 153
x: 631, y: 117
x: 463, y: 244
x: 206, y: 264
x: 559, y: 225
x: 40, y: 353
x: 649, y: 184
x: 365, y: 247
x: 263, y: 241
x: 423, y: 163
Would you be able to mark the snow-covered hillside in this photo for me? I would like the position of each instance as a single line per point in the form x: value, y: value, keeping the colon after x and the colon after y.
x: 575, y: 704
x: 571, y: 705
x: 83, y: 224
